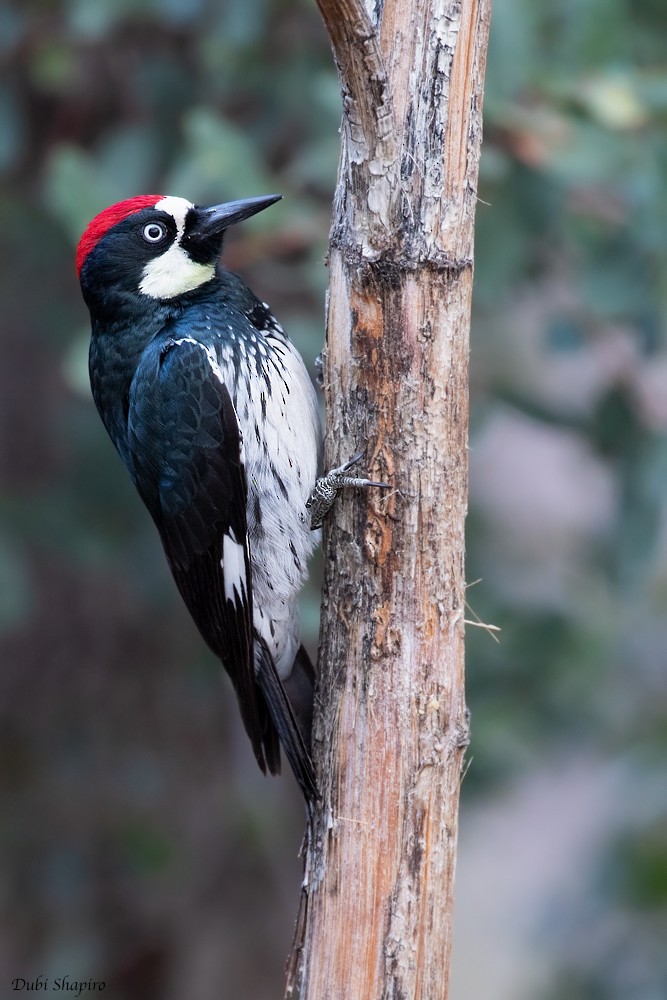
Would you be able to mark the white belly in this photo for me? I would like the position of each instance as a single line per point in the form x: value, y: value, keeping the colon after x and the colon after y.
x: 281, y: 467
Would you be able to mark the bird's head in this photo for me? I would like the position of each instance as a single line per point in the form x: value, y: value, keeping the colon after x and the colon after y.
x: 155, y: 247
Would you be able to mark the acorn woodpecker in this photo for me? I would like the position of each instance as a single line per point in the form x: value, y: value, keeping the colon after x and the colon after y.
x: 212, y: 411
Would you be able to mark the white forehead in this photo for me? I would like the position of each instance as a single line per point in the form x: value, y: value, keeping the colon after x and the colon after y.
x: 178, y: 208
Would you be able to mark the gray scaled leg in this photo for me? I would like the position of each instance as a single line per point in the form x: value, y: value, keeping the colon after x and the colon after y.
x: 321, y: 500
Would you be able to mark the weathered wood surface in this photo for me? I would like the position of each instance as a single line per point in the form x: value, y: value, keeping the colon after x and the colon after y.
x: 391, y: 723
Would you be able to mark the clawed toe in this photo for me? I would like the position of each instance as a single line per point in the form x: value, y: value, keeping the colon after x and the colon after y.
x: 327, y: 487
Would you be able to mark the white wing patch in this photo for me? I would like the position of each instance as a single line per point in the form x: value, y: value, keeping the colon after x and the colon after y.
x: 233, y: 568
x: 174, y: 272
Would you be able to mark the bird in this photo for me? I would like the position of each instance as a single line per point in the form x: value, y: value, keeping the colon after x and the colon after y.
x: 211, y: 408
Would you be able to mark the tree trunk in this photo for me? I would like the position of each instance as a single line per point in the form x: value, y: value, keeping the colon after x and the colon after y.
x: 391, y: 724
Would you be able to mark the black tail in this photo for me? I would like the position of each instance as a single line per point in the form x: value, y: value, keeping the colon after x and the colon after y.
x: 285, y: 722
x: 300, y: 689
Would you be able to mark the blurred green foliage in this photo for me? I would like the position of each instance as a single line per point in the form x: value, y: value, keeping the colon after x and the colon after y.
x: 117, y: 753
x: 570, y: 337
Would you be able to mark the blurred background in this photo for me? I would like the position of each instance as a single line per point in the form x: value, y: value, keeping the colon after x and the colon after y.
x: 139, y: 844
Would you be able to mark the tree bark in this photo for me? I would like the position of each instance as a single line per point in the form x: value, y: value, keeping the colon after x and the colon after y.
x: 391, y: 725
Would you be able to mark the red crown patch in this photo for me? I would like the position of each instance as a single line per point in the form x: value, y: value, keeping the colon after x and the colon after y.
x: 107, y: 219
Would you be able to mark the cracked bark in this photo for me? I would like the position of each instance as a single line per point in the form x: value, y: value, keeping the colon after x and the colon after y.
x: 391, y: 725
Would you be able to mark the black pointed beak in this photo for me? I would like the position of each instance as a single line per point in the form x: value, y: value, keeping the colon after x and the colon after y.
x: 223, y: 216
x: 205, y: 227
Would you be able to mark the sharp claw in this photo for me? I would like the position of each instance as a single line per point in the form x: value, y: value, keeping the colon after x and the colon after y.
x: 340, y: 469
x: 362, y: 483
x: 348, y: 465
x: 326, y: 488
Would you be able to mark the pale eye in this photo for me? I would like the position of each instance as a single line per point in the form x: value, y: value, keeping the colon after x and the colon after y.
x: 154, y: 232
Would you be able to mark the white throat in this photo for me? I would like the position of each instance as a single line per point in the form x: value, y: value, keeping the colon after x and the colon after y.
x: 174, y: 272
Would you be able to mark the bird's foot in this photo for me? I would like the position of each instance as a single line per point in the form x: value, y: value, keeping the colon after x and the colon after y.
x: 327, y: 487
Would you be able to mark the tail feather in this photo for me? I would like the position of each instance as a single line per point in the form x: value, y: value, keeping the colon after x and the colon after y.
x: 270, y: 740
x: 300, y: 689
x: 285, y: 722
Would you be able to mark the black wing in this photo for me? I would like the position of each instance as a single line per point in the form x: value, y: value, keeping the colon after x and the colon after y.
x: 185, y: 450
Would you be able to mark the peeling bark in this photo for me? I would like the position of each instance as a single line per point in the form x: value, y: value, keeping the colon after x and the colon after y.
x: 391, y: 724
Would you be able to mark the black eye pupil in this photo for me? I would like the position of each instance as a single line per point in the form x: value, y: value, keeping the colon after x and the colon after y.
x: 153, y: 232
